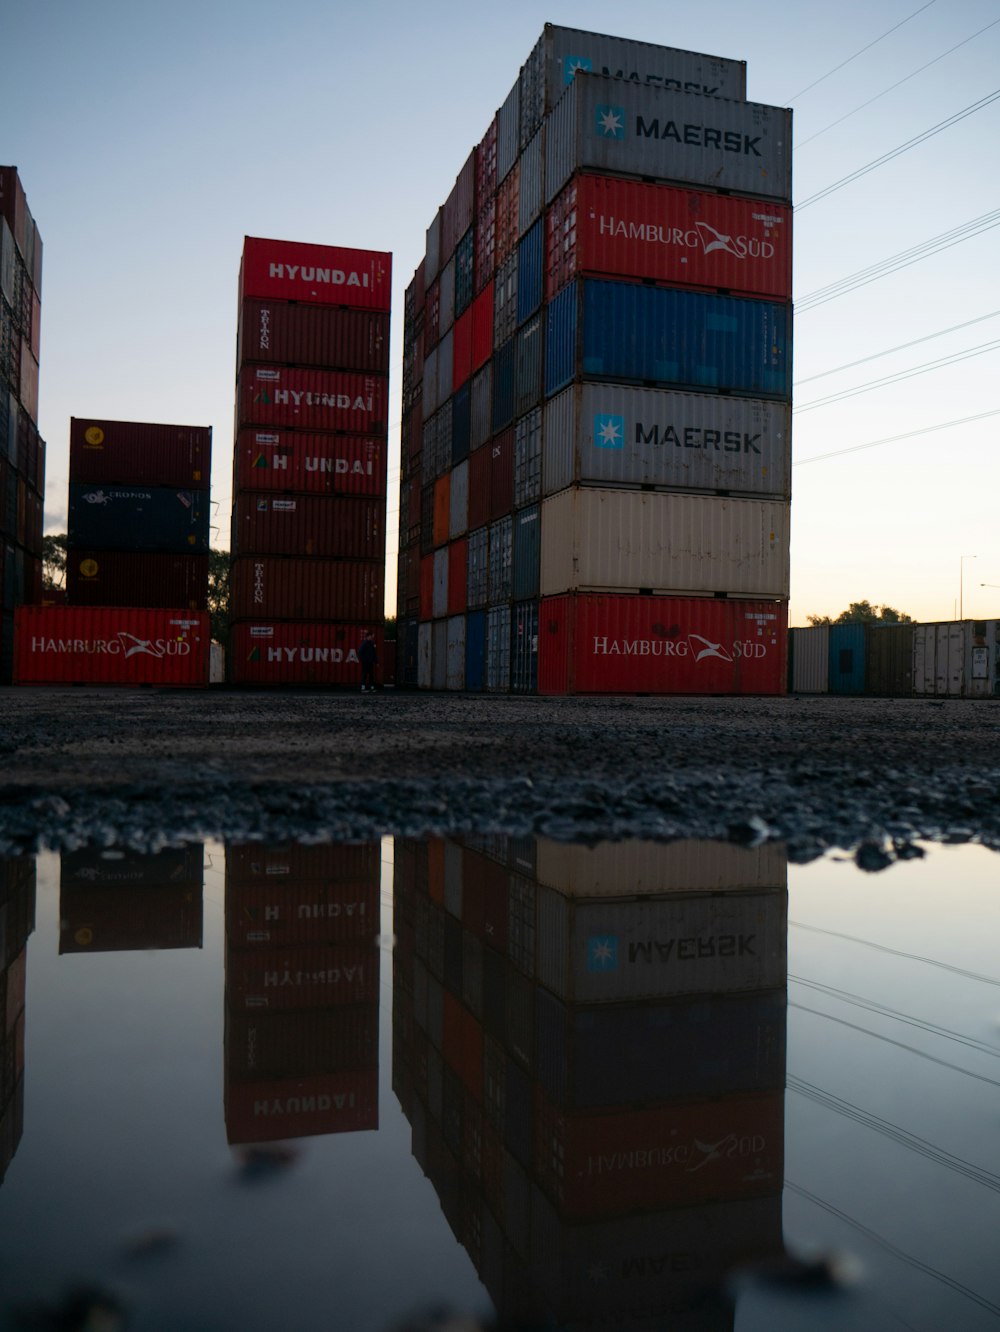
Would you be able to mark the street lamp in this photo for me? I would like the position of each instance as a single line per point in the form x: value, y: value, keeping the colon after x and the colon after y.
x: 961, y: 581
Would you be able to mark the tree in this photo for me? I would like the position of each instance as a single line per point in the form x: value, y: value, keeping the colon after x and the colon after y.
x: 863, y: 612
x: 54, y: 561
x: 218, y: 593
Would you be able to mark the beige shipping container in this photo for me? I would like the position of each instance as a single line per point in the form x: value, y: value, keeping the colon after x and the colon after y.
x: 637, y: 868
x: 596, y: 539
x: 810, y: 650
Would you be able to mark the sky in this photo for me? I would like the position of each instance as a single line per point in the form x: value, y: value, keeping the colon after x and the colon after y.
x: 151, y: 138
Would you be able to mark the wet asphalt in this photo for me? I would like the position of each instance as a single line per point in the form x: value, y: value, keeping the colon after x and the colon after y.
x: 145, y: 768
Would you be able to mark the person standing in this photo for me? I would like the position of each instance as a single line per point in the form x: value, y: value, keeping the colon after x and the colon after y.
x: 368, y: 657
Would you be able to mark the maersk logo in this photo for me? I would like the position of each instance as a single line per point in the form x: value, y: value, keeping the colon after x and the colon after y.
x: 610, y: 122
x: 572, y: 63
x: 609, y: 432
x: 602, y: 953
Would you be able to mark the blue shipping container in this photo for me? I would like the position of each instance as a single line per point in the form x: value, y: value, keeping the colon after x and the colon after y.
x: 524, y: 648
x: 530, y: 271
x: 560, y: 339
x: 475, y: 649
x: 527, y: 552
x: 138, y: 518
x: 461, y: 423
x: 528, y: 366
x: 503, y: 385
x: 847, y: 659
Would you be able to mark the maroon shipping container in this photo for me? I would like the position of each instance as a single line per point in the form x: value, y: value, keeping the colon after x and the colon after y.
x: 321, y: 274
x: 316, y: 335
x: 273, y: 588
x: 484, y: 261
x: 312, y: 399
x: 324, y: 464
x: 501, y: 474
x: 456, y: 215
x: 278, y: 911
x: 97, y: 919
x: 458, y: 560
x: 622, y: 228
x: 98, y: 645
x: 14, y: 206
x: 301, y: 976
x: 661, y: 645
x: 126, y: 578
x: 282, y: 1045
x: 29, y: 381
x: 461, y: 356
x: 333, y: 526
x: 248, y: 864
x: 137, y: 453
x: 265, y: 653
x: 480, y: 468
x: 267, y: 1111
x: 508, y: 199
x: 486, y: 168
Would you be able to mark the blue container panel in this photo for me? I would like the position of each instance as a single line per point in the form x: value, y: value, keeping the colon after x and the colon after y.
x: 524, y: 649
x: 847, y: 659
x: 685, y: 339
x: 560, y: 340
x: 138, y: 518
x: 475, y: 649
x: 504, y: 364
x: 528, y: 370
x: 530, y: 271
x: 527, y: 552
x: 464, y: 259
x: 461, y: 424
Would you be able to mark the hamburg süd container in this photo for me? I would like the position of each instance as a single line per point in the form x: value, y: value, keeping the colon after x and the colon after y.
x: 273, y: 652
x: 625, y: 129
x: 664, y: 337
x: 612, y: 434
x: 139, y: 453
x: 600, y: 539
x: 312, y: 399
x: 116, y: 646
x: 606, y: 226
x: 272, y: 587
x: 155, y: 579
x: 279, y: 332
x: 328, y: 526
x: 661, y: 645
x: 320, y: 274
x: 140, y: 518
x: 323, y: 464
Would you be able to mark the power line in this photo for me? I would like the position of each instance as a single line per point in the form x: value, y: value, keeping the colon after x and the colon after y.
x: 903, y: 346
x: 902, y: 148
x: 896, y: 952
x: 913, y: 373
x: 836, y: 69
x: 873, y: 444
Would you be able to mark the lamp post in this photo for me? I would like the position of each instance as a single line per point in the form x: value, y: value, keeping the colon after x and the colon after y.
x: 961, y: 582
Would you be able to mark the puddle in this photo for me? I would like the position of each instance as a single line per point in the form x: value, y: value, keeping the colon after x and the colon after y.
x: 642, y: 1085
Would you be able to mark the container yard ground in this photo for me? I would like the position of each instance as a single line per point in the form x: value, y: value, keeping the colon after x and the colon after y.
x: 138, y: 767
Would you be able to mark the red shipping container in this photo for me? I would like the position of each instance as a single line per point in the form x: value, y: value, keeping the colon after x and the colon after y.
x: 324, y: 464
x: 312, y: 399
x: 317, y: 335
x: 480, y: 469
x: 484, y: 261
x: 602, y: 1165
x: 482, y: 327
x: 296, y: 653
x: 661, y: 645
x: 302, y: 976
x: 281, y: 911
x: 606, y: 226
x: 96, y: 919
x: 461, y: 367
x: 442, y: 508
x: 427, y: 587
x: 501, y: 474
x: 249, y: 864
x: 84, y: 645
x: 458, y: 573
x: 334, y: 526
x: 261, y: 1045
x: 299, y: 1107
x: 462, y: 1045
x: 272, y: 588
x: 153, y: 579
x: 322, y: 274
x: 507, y: 230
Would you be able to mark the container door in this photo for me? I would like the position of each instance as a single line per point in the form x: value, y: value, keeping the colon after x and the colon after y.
x: 475, y: 649
x: 456, y: 652
x: 949, y: 661
x: 424, y: 655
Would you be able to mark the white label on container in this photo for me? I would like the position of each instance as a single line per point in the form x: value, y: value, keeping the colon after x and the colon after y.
x: 267, y: 439
x: 283, y: 506
x: 269, y: 374
x: 262, y: 631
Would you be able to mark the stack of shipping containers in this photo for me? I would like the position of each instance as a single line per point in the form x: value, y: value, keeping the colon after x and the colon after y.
x: 559, y: 1015
x: 596, y: 429
x: 309, y: 473
x: 17, y: 920
x: 22, y: 451
x: 132, y: 901
x: 302, y: 990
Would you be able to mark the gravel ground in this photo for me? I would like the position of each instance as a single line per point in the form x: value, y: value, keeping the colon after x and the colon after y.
x: 143, y: 767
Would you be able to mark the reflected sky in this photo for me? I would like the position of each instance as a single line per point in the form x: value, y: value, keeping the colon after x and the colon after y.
x: 631, y: 1085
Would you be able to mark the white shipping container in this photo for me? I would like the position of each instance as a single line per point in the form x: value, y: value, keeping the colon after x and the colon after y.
x: 458, y: 501
x: 598, y: 951
x: 455, y: 676
x: 616, y: 435
x: 439, y: 605
x: 439, y: 654
x: 982, y: 678
x: 939, y: 659
x: 424, y: 655
x: 638, y: 868
x: 810, y: 649
x: 627, y: 541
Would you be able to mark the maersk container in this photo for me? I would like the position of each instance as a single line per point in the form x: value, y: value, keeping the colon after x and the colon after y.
x: 458, y: 514
x: 478, y: 567
x: 529, y: 356
x: 530, y: 271
x: 269, y: 652
x: 889, y: 660
x: 659, y: 134
x: 271, y: 587
x: 602, y: 225
x: 154, y: 579
x: 139, y: 454
x: 461, y: 424
x: 500, y: 561
x: 313, y: 399
x: 528, y: 458
x: 619, y: 435
x: 622, y: 540
x: 661, y: 645
x: 455, y: 653
x: 560, y: 52
x: 447, y: 298
x: 505, y: 300
x: 659, y: 336
x: 328, y: 526
x: 110, y: 646
x: 424, y: 646
x: 439, y: 654
x: 475, y: 649
x: 508, y: 132
x: 115, y: 517
x: 285, y: 460
x: 439, y: 600
x: 810, y: 654
x: 482, y: 406
x: 282, y: 332
x: 524, y: 670
x: 498, y: 649
x: 847, y: 659
x: 504, y: 367
x: 939, y: 659
x: 643, y: 869
x: 276, y: 270
x: 527, y: 552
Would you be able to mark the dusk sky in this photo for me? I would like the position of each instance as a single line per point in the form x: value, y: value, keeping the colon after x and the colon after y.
x: 151, y: 138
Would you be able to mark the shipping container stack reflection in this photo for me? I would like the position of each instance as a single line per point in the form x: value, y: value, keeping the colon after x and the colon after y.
x: 302, y: 990
x: 596, y: 442
x: 119, y: 900
x: 309, y: 467
x: 22, y: 450
x: 17, y: 920
x: 589, y: 1045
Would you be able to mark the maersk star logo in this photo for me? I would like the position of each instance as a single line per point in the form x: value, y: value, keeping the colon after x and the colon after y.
x: 572, y: 63
x: 610, y: 122
x: 602, y: 953
x: 609, y: 432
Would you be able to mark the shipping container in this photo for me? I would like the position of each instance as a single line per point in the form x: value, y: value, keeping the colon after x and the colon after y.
x: 661, y: 645
x: 98, y: 645
x: 465, y: 275
x: 501, y: 483
x: 939, y: 659
x: 177, y: 866
x: 271, y: 1110
x: 481, y: 407
x: 139, y: 454
x: 505, y: 301
x: 156, y: 580
x: 526, y: 554
x: 458, y: 559
x: 439, y: 594
x: 455, y: 653
x: 810, y: 658
x: 528, y: 458
x: 461, y: 424
x: 508, y: 132
x: 281, y: 911
x: 619, y: 435
x: 497, y: 673
x: 265, y: 652
x: 477, y: 582
x: 507, y: 212
x: 432, y: 250
x: 889, y: 660
x: 277, y: 396
x: 140, y: 518
x: 500, y: 561
x: 324, y: 464
x: 620, y: 540
x: 524, y: 648
x: 638, y: 868
x: 846, y: 670
x: 446, y: 297
x: 670, y: 338
x: 279, y: 332
x: 982, y: 678
x: 262, y: 1045
x: 276, y: 270
x: 249, y: 864
x: 475, y: 650
x: 528, y: 365
x: 485, y: 243
x: 531, y: 182
x: 504, y: 370
x: 424, y: 655
x: 530, y: 271
x: 482, y: 326
x: 269, y: 587
x: 442, y: 508
x: 301, y: 976
x: 439, y: 654
x: 98, y: 918
x: 327, y: 526
x: 458, y: 512
x: 461, y: 367
x: 457, y: 210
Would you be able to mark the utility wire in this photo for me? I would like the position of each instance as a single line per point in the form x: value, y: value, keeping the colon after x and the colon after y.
x: 836, y: 69
x: 902, y: 148
x: 893, y: 86
x: 903, y: 346
x: 873, y: 444
x: 914, y: 372
x: 896, y: 952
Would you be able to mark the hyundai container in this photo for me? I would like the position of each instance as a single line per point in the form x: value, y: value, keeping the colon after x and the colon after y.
x: 301, y: 976
x: 278, y: 912
x: 155, y: 579
x: 274, y: 1109
x: 280, y: 332
x: 301, y: 1044
x: 138, y: 453
x: 325, y: 464
x: 110, y: 516
x: 281, y: 653
x: 623, y: 129
x: 326, y: 526
x: 120, y: 646
x: 318, y: 274
x: 277, y: 396
x: 270, y: 587
x: 250, y: 864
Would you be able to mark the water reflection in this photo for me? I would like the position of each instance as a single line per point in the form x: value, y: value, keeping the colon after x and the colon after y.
x: 17, y: 920
x: 113, y: 901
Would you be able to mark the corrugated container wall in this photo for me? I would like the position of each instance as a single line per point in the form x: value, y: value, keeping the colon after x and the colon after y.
x: 139, y: 454
x: 889, y: 660
x: 810, y: 653
x: 96, y: 645
x: 847, y: 659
